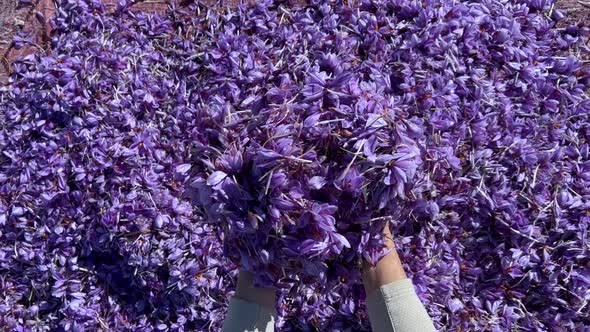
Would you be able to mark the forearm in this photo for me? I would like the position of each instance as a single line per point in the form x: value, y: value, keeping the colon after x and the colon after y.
x: 251, y: 309
x: 392, y: 302
x: 395, y: 307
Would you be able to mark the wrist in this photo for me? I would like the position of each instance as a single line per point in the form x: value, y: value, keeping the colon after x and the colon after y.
x: 246, y: 290
x: 388, y: 269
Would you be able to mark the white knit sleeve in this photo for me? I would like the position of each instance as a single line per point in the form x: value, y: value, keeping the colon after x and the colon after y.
x: 246, y: 316
x: 395, y: 307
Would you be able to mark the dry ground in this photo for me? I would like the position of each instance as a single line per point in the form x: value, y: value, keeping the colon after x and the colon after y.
x: 13, y: 19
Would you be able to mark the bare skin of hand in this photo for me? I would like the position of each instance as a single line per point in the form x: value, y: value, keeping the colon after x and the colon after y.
x: 245, y: 290
x: 388, y: 269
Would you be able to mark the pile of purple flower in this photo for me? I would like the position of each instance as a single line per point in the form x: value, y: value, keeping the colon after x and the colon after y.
x: 144, y: 157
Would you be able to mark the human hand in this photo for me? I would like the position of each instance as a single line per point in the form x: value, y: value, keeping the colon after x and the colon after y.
x: 388, y: 269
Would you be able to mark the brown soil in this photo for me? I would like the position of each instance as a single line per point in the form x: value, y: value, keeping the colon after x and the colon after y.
x: 575, y: 10
x: 13, y: 20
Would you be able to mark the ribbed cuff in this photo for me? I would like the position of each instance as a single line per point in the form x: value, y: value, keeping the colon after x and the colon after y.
x: 246, y: 316
x: 395, y: 307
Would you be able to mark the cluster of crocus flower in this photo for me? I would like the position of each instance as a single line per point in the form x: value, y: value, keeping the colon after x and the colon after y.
x: 144, y: 157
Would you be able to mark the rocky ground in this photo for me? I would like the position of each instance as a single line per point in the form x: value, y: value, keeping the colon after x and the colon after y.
x: 14, y: 18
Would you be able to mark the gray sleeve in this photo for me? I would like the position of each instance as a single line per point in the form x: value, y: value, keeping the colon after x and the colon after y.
x: 246, y: 316
x: 396, y: 307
